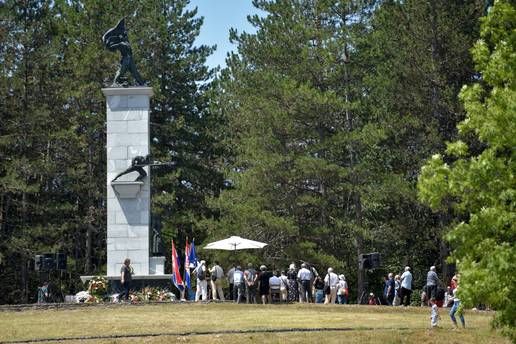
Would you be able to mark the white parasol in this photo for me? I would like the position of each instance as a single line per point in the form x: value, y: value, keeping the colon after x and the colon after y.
x: 234, y: 243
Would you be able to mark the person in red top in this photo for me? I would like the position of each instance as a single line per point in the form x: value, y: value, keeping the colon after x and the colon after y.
x: 453, y: 283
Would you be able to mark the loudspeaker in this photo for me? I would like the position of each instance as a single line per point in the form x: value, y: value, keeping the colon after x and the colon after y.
x: 369, y: 260
x: 49, y: 262
x: 375, y: 260
x: 61, y: 261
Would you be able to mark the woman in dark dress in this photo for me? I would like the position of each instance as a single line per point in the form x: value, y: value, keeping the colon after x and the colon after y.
x: 293, y: 293
x: 264, y: 283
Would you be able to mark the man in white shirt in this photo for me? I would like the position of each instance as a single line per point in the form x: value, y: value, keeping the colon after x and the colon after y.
x: 331, y: 280
x: 238, y: 286
x: 202, y: 285
x: 216, y: 281
x: 274, y: 286
x: 406, y: 286
x: 305, y: 277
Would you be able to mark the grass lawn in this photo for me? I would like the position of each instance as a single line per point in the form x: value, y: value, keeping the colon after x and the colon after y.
x: 363, y: 324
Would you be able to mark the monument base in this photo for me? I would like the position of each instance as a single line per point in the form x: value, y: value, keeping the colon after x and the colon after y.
x: 138, y: 282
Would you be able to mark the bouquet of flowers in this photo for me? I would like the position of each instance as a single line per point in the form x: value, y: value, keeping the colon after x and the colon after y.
x: 98, y: 287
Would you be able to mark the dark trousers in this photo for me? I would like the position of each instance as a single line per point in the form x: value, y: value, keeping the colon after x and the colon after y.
x: 390, y: 298
x: 431, y: 291
x: 231, y: 296
x: 250, y: 293
x: 126, y: 285
x: 305, y: 289
x: 405, y: 294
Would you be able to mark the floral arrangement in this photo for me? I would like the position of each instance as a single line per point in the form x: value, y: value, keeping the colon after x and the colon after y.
x: 98, y: 287
x: 82, y: 296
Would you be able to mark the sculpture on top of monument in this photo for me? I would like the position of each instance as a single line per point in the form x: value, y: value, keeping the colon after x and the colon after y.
x: 116, y: 39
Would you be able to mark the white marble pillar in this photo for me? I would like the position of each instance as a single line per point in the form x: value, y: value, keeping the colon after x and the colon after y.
x: 128, y: 202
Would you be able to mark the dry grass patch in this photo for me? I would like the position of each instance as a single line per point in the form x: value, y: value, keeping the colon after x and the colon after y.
x: 392, y: 325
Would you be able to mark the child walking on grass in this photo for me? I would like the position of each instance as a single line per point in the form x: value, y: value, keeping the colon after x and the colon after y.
x: 434, y: 317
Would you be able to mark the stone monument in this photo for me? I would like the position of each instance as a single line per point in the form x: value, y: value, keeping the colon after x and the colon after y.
x: 128, y: 171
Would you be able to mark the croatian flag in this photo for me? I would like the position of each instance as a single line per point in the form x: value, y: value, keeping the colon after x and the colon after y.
x: 187, y: 265
x: 193, y: 257
x: 176, y: 276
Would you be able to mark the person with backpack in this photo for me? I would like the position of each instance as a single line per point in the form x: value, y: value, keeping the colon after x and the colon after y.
x: 201, y: 292
x: 216, y: 281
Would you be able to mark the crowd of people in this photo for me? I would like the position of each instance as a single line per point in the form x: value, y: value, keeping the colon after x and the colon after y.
x: 398, y: 291
x: 266, y: 286
x: 306, y: 285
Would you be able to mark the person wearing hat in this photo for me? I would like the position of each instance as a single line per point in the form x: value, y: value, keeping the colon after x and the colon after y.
x: 201, y: 292
x: 406, y: 286
x: 342, y: 290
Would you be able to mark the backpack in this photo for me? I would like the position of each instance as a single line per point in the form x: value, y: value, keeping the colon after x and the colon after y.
x: 201, y: 274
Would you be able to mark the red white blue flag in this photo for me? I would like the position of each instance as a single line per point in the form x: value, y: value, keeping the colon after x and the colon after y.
x: 176, y: 276
x: 187, y: 265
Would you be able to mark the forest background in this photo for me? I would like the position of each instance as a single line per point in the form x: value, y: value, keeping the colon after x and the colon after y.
x: 312, y: 139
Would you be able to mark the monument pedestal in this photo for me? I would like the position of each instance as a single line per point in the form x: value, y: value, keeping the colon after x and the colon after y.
x: 128, y: 200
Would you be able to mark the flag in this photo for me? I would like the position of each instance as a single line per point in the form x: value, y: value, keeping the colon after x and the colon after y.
x: 193, y: 257
x: 187, y: 265
x: 176, y: 276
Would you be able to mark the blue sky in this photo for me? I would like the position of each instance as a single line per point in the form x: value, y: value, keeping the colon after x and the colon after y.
x: 219, y: 17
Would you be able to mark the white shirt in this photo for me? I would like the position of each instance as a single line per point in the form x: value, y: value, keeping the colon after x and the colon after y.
x: 343, y: 285
x: 304, y: 274
x: 217, y: 271
x: 333, y: 279
x: 230, y: 275
x: 238, y: 277
x: 406, y: 280
x: 274, y: 282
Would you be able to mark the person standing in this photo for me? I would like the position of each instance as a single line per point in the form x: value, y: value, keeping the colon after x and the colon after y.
x: 456, y: 309
x: 284, y: 286
x: 406, y: 286
x: 216, y: 281
x: 319, y: 289
x: 126, y: 277
x: 264, y: 283
x: 250, y: 278
x: 342, y: 290
x: 305, y: 277
x: 292, y: 283
x: 434, y: 317
x: 330, y: 282
x: 43, y: 294
x: 238, y: 284
x: 231, y: 282
x: 391, y: 286
x: 432, y: 282
x: 397, y: 291
x: 201, y: 292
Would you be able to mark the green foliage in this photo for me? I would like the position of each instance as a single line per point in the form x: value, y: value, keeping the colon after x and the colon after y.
x: 481, y: 187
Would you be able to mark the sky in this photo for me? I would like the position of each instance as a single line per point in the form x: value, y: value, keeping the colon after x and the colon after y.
x: 219, y: 17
